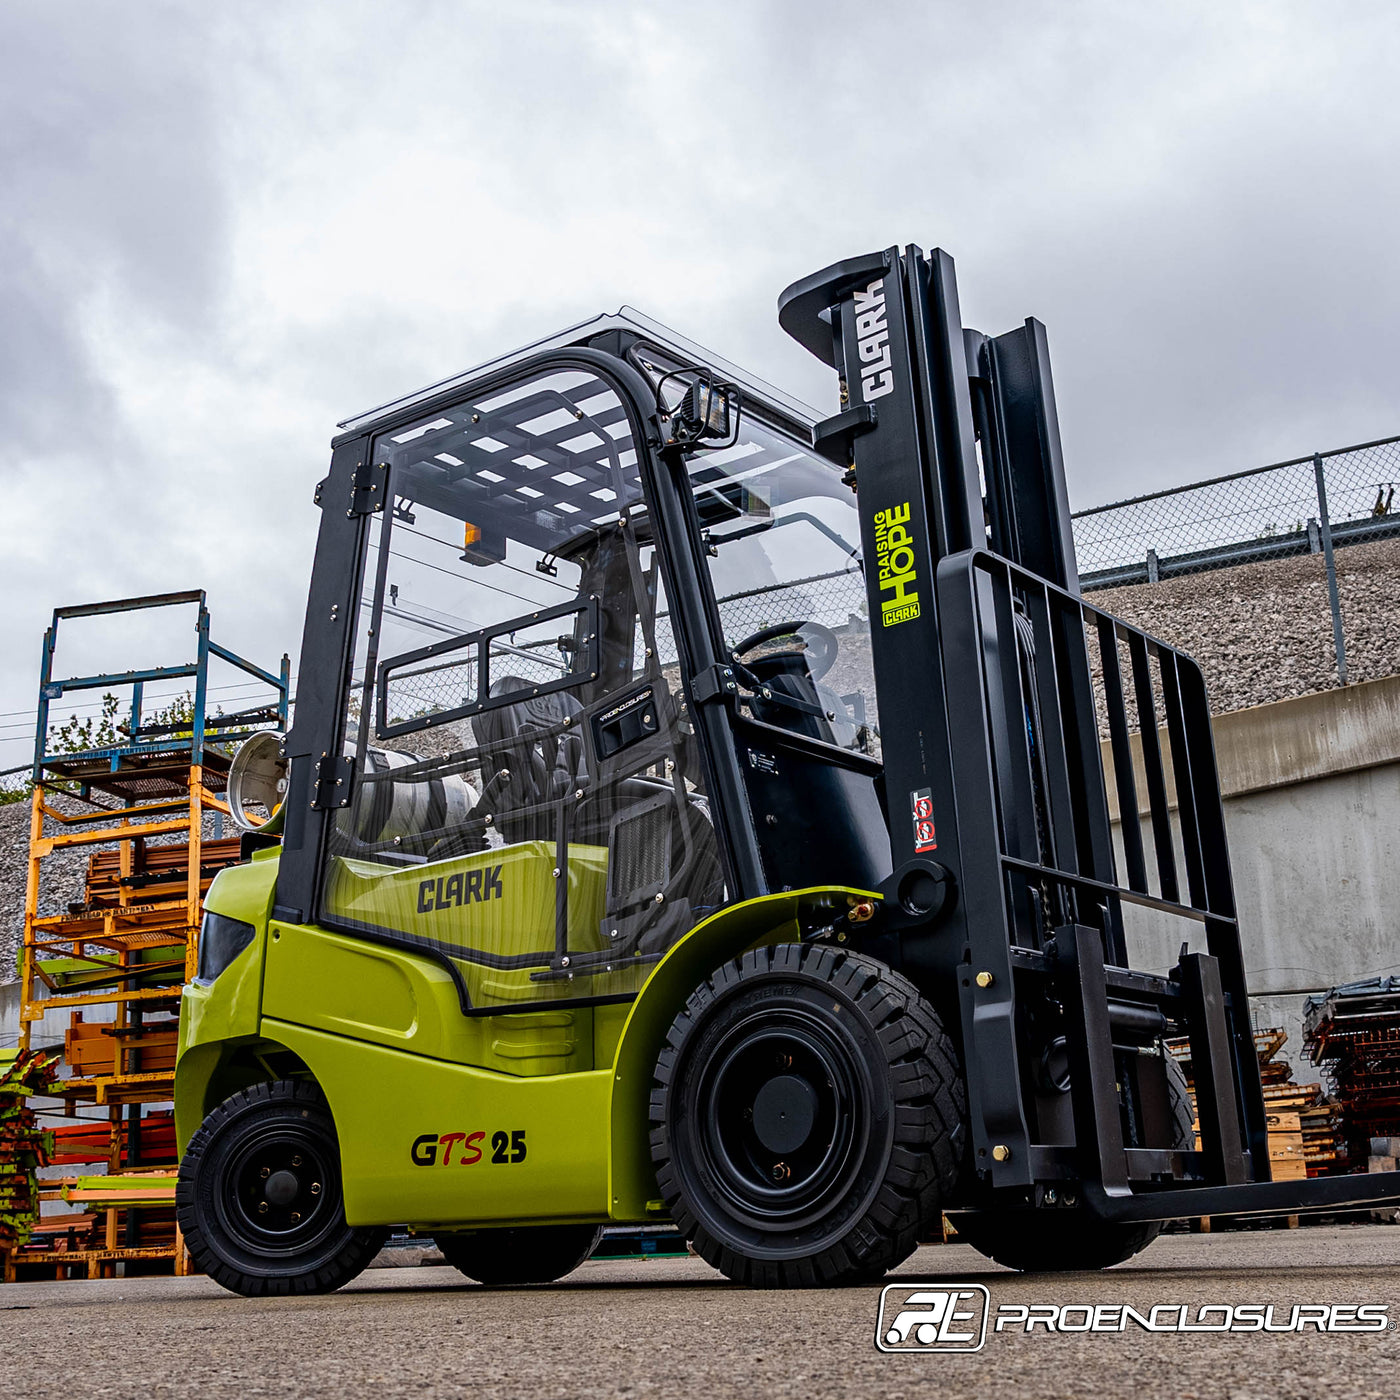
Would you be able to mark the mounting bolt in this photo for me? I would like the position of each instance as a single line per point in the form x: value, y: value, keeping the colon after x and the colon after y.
x: 564, y: 962
x: 985, y: 979
x: 612, y: 933
x: 1001, y: 1153
x: 660, y: 898
x: 556, y: 872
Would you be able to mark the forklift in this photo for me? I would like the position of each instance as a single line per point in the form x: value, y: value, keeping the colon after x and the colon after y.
x: 700, y: 812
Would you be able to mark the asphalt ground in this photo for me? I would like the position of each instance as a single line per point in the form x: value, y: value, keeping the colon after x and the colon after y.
x: 672, y: 1327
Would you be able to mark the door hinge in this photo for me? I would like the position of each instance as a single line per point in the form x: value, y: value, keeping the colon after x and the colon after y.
x: 714, y: 683
x: 834, y: 438
x: 335, y: 779
x: 368, y: 488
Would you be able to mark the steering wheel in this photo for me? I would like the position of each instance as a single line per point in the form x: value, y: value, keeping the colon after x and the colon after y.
x: 821, y: 642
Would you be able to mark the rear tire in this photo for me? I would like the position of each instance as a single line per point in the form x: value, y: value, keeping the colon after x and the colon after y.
x: 808, y: 1118
x: 259, y: 1199
x: 529, y: 1254
x: 1072, y: 1241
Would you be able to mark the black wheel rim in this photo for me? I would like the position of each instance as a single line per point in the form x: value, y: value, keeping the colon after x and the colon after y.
x: 279, y: 1192
x: 780, y: 1118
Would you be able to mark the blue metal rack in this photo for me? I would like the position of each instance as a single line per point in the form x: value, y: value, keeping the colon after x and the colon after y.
x: 131, y: 942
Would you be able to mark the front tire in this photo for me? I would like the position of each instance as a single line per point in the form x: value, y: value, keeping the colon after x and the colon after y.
x: 259, y: 1198
x: 528, y: 1254
x: 808, y: 1118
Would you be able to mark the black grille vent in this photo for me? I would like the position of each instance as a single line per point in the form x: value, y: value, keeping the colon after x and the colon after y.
x: 640, y: 859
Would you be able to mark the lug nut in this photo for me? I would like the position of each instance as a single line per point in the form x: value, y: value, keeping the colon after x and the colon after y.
x: 296, y: 1161
x: 262, y: 1207
x: 315, y: 1188
x: 296, y: 1216
x: 266, y: 1172
x: 781, y: 1171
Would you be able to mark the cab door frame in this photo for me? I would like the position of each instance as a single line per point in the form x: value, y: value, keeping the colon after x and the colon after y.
x: 320, y: 776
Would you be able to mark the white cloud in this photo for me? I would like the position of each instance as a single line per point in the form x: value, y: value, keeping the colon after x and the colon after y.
x: 228, y: 227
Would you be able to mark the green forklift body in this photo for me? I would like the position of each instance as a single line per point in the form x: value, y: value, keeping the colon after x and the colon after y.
x: 547, y: 1107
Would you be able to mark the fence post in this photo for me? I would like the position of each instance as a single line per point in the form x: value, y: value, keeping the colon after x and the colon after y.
x: 1338, y: 642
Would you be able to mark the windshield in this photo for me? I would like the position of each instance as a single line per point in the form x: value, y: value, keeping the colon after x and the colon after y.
x: 782, y: 538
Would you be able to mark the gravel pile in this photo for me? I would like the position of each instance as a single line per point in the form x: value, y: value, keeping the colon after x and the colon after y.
x: 1263, y: 632
x: 64, y: 873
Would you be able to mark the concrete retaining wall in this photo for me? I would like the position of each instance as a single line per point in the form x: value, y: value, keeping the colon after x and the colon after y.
x: 1312, y: 812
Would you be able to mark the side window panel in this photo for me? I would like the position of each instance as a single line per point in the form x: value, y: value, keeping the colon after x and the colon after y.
x: 782, y: 540
x: 527, y: 797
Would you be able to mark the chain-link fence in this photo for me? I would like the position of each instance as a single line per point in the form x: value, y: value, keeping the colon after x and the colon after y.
x: 843, y: 663
x: 1281, y: 580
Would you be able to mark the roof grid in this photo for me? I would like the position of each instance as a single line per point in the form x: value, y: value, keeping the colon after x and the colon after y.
x: 525, y: 465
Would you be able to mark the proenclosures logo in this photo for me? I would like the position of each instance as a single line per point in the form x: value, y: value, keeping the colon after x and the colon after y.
x: 945, y: 1317
x: 932, y: 1317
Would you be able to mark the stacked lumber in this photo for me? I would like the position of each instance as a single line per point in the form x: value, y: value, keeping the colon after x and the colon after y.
x: 90, y: 1140
x: 1353, y: 1032
x: 1304, y: 1124
x: 92, y: 1047
x: 1384, y: 1155
x: 24, y: 1147
x: 1319, y: 1122
x: 159, y: 872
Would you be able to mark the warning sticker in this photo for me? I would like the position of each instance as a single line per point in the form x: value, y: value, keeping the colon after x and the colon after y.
x: 925, y: 838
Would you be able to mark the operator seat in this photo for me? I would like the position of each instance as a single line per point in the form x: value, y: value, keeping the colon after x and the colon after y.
x: 530, y: 761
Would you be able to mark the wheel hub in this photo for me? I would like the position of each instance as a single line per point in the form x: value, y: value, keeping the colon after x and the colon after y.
x: 279, y: 1195
x: 282, y: 1188
x: 784, y: 1112
x: 781, y: 1117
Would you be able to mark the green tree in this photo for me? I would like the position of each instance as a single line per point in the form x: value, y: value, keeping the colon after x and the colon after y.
x: 76, y: 735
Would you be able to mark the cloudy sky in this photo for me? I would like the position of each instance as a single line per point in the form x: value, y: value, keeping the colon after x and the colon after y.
x: 225, y: 227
